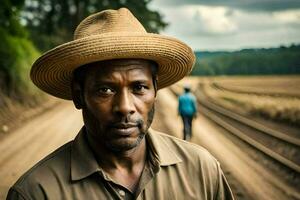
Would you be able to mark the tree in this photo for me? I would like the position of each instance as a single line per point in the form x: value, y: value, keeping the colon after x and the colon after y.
x: 16, y: 52
x: 282, y: 60
x: 56, y: 20
x: 9, y: 17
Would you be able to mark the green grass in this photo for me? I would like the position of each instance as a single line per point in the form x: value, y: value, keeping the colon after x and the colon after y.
x: 16, y: 57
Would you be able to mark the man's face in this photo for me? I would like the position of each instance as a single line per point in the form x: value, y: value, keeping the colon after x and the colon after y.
x: 118, y: 103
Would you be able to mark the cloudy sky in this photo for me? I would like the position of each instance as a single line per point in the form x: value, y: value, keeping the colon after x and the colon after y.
x: 231, y: 24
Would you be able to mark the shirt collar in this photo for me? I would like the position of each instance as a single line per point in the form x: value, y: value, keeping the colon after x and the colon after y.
x: 84, y: 163
x: 161, y: 150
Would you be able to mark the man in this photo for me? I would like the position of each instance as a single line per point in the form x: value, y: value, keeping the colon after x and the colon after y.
x: 187, y: 108
x: 112, y: 71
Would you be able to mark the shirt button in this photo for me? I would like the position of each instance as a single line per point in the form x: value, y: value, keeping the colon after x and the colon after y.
x: 121, y: 192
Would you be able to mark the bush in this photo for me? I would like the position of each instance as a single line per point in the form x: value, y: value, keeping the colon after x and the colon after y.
x: 16, y: 57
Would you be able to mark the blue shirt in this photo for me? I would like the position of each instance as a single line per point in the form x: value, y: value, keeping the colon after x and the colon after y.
x: 187, y: 104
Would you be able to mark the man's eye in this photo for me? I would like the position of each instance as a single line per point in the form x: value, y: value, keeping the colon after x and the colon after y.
x: 105, y: 91
x: 140, y: 88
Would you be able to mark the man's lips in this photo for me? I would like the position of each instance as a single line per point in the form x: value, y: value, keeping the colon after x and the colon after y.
x: 124, y: 129
x: 124, y: 125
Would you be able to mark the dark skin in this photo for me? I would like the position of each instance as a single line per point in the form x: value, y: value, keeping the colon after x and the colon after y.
x: 117, y: 101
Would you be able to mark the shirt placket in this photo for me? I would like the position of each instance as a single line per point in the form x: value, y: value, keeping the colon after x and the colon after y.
x: 117, y: 192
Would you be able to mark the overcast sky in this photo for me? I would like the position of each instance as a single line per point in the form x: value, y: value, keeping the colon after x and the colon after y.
x: 231, y: 24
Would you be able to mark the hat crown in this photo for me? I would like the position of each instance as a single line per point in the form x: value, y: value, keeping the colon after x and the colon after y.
x: 108, y: 21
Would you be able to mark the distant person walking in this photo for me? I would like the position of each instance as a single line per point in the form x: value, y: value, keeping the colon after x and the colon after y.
x: 187, y: 109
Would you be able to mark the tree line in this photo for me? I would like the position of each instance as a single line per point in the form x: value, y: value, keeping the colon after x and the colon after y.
x: 52, y: 22
x: 276, y: 61
x: 29, y: 27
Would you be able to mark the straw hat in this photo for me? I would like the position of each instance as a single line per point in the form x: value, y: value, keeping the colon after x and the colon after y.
x: 107, y: 35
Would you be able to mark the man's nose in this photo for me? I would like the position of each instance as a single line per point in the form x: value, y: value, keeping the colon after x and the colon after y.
x: 123, y: 104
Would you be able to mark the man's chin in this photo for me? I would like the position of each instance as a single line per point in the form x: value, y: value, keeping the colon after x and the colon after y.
x: 124, y: 144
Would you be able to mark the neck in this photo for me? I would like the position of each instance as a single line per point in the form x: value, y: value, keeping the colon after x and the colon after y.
x: 123, y: 167
x: 126, y: 160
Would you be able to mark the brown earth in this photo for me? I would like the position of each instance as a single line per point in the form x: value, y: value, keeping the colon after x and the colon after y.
x: 40, y: 136
x: 288, y: 85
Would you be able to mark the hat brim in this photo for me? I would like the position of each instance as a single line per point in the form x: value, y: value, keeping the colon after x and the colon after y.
x: 53, y: 71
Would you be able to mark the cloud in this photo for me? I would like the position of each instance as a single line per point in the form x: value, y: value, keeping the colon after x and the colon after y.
x: 248, y: 5
x: 199, y: 20
x: 228, y: 28
x: 214, y: 20
x: 289, y: 16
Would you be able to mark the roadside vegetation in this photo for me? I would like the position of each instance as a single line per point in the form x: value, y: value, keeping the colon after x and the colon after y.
x: 17, y: 53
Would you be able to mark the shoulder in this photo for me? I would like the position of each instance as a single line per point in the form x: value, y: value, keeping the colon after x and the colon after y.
x: 44, y: 172
x: 196, y: 165
x: 188, y: 152
x: 191, y: 96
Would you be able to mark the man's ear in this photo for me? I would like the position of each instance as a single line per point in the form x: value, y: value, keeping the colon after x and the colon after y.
x: 77, y: 95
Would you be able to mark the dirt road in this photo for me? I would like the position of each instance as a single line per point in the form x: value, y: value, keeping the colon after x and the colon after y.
x: 37, y: 138
x: 21, y: 149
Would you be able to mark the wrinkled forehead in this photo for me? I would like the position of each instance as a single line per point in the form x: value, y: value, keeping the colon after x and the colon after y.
x: 134, y: 67
x: 106, y: 68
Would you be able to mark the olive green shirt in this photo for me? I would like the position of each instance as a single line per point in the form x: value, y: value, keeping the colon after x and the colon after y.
x: 175, y: 169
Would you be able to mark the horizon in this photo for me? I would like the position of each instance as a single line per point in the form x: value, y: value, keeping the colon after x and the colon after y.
x: 236, y: 50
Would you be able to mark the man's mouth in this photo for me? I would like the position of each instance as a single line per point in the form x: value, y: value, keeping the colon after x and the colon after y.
x: 124, y: 129
x: 124, y: 125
